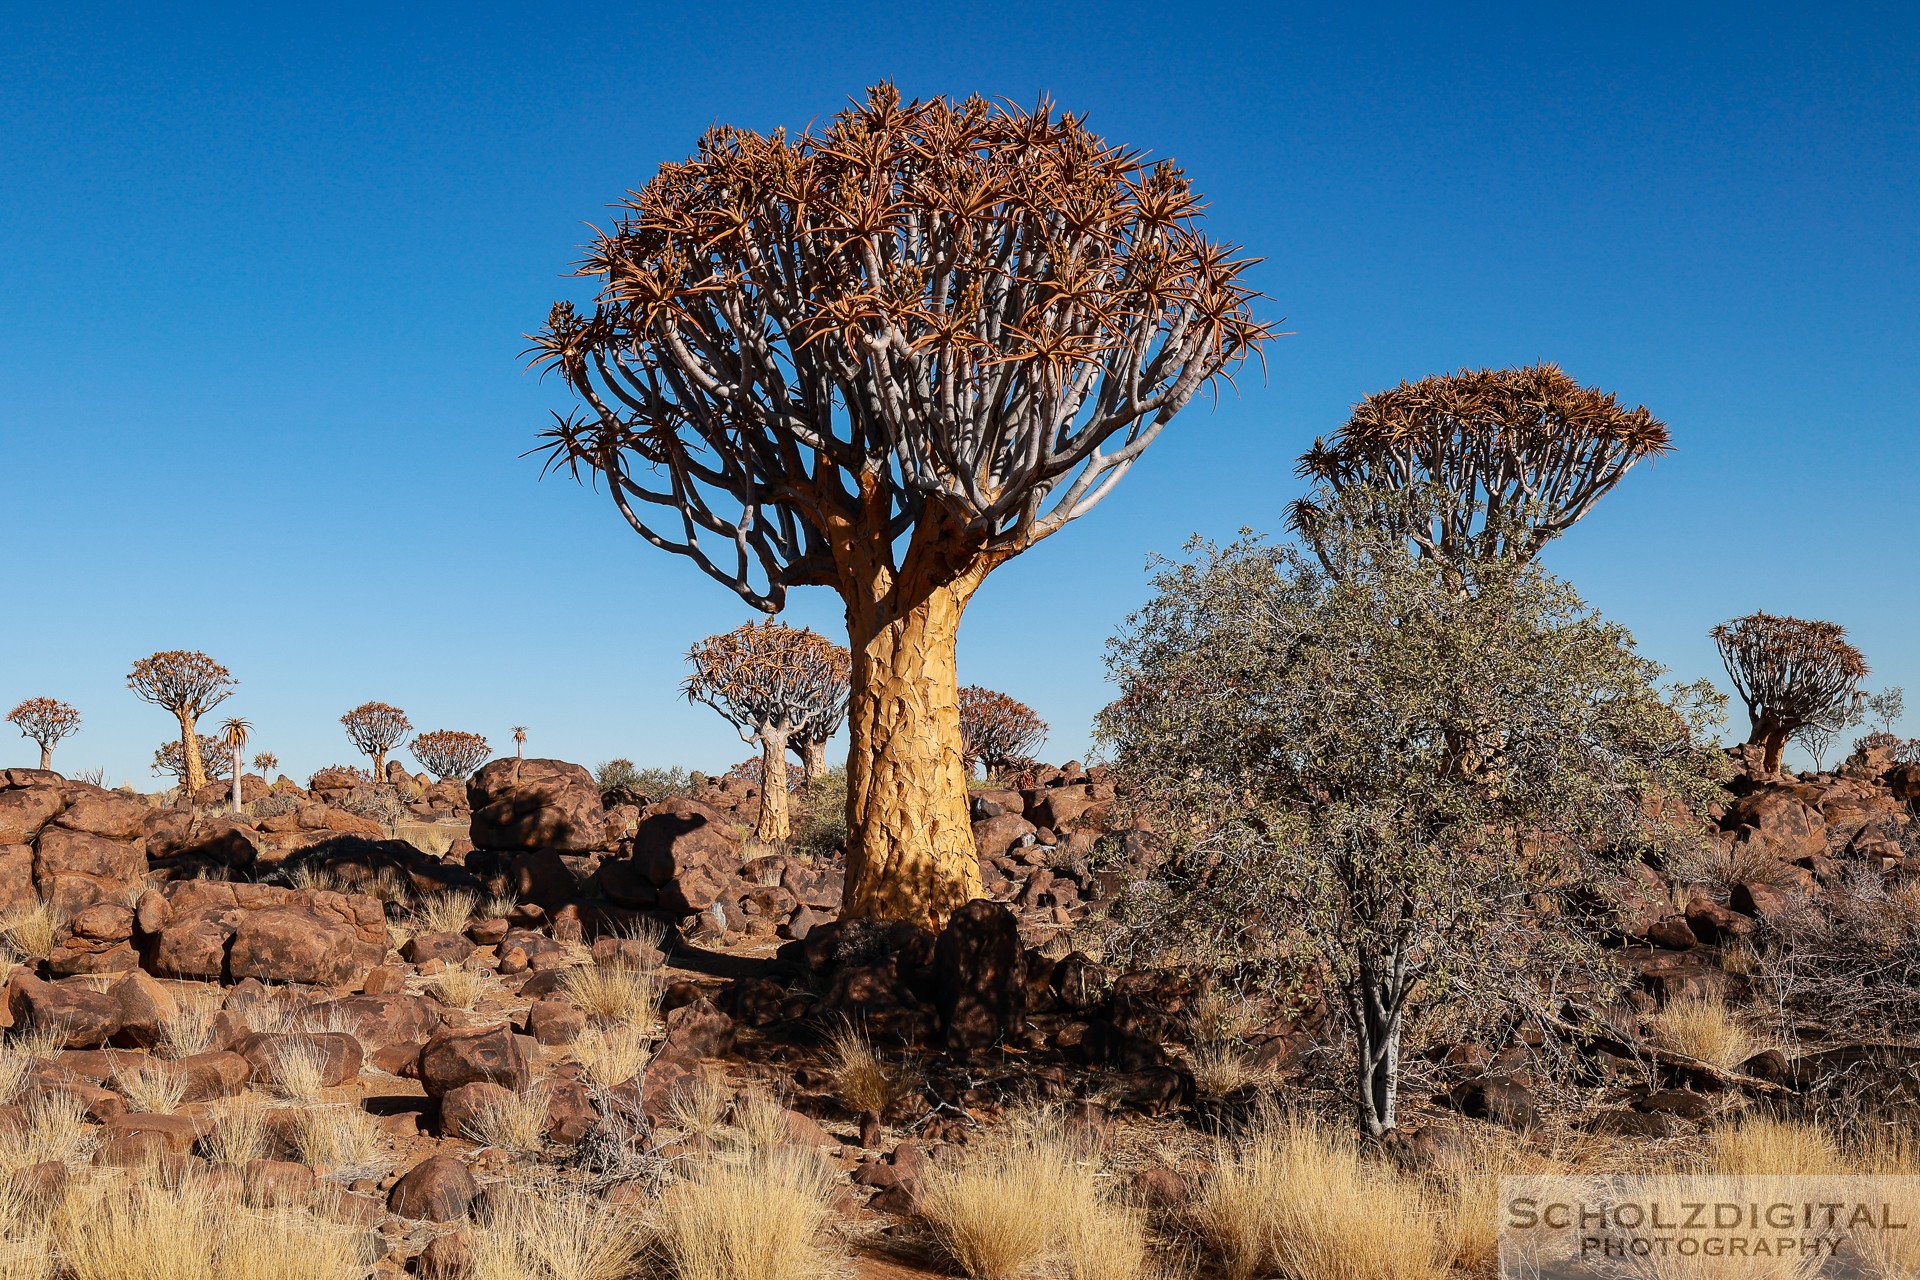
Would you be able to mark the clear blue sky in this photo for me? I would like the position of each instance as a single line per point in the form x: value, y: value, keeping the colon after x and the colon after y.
x: 264, y: 272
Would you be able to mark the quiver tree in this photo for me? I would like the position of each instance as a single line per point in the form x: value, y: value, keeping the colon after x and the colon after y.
x: 885, y: 358
x: 376, y: 728
x: 189, y: 684
x: 1790, y: 673
x: 46, y: 721
x: 233, y: 736
x: 265, y: 762
x: 999, y: 732
x: 772, y: 682
x: 170, y: 761
x: 449, y: 754
x: 1475, y: 468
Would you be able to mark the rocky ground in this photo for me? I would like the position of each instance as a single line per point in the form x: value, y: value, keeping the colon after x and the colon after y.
x: 396, y: 1008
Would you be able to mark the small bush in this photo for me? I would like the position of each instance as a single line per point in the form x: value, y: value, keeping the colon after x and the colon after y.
x: 614, y: 994
x: 376, y: 801
x: 864, y: 1080
x: 763, y: 1219
x: 274, y: 804
x: 655, y: 784
x: 554, y: 1233
x: 821, y: 825
x: 1705, y: 1029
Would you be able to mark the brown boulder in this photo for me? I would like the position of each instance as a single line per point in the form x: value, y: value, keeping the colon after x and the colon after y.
x: 109, y: 814
x: 335, y: 1055
x: 679, y: 839
x: 24, y: 813
x: 17, y: 891
x: 266, y: 932
x: 979, y: 976
x: 1778, y: 824
x: 536, y: 804
x: 438, y: 1189
x: 996, y: 837
x: 462, y: 1055
x: 85, y: 1017
x: 74, y: 870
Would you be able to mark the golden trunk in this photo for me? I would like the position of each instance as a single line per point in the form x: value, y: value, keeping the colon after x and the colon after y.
x: 813, y: 760
x: 774, y: 826
x: 190, y: 756
x: 910, y: 852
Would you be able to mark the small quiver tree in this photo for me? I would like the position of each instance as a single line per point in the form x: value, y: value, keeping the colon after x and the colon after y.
x: 772, y: 682
x: 1790, y: 673
x: 376, y: 728
x: 1000, y: 732
x: 233, y: 736
x: 450, y: 754
x: 885, y: 358
x: 265, y: 763
x: 189, y: 684
x: 170, y: 761
x: 46, y: 722
x: 1371, y: 773
x: 1477, y: 468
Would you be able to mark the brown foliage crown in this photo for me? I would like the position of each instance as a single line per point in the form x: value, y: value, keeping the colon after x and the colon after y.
x: 1793, y: 670
x: 184, y: 681
x: 45, y: 720
x: 770, y: 675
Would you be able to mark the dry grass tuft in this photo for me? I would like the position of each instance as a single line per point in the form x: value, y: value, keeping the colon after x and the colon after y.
x: 26, y: 1252
x: 31, y: 932
x: 516, y: 1123
x: 615, y: 995
x: 289, y: 1244
x: 611, y: 1056
x: 1222, y: 1069
x: 1297, y: 1199
x: 499, y: 906
x: 1025, y: 1198
x: 143, y: 1232
x: 189, y: 1028
x: 1762, y: 1145
x: 555, y: 1233
x: 341, y: 1137
x: 239, y: 1132
x: 444, y: 912
x: 150, y: 1084
x: 460, y: 988
x: 299, y: 1071
x: 56, y: 1129
x: 761, y: 1219
x: 699, y: 1109
x: 1705, y: 1029
x: 311, y: 875
x: 864, y: 1080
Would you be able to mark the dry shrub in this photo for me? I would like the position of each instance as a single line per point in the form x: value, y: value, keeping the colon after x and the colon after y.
x: 763, y: 1218
x: 611, y: 1056
x: 56, y: 1128
x: 1464, y: 1181
x: 1765, y: 1146
x: 1023, y: 1198
x: 700, y: 1108
x: 32, y: 931
x: 864, y: 1080
x: 498, y: 906
x: 238, y: 1133
x: 1223, y: 1069
x: 26, y: 1253
x: 1298, y: 1199
x: 614, y: 994
x: 150, y: 1084
x: 299, y: 1071
x: 311, y: 875
x: 554, y: 1233
x: 515, y: 1123
x: 1108, y: 1242
x: 444, y: 912
x: 1706, y: 1029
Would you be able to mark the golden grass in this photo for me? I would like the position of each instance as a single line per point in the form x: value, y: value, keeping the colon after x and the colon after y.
x: 615, y: 994
x: 31, y: 932
x: 26, y: 1252
x: 459, y: 987
x: 299, y: 1071
x: 1023, y: 1198
x: 542, y: 1232
x: 56, y: 1129
x: 611, y: 1056
x: 516, y: 1123
x: 1221, y: 1069
x: 288, y: 1244
x: 1705, y: 1029
x: 499, y: 906
x: 341, y: 1136
x: 444, y: 912
x: 310, y: 875
x: 1763, y: 1145
x: 864, y: 1080
x: 761, y: 1219
x: 699, y: 1109
x: 142, y: 1232
x: 189, y: 1028
x: 1298, y: 1199
x: 1107, y: 1242
x: 238, y: 1133
x: 150, y: 1084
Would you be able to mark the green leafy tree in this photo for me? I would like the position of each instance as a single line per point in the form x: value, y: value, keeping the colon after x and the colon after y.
x: 1370, y: 768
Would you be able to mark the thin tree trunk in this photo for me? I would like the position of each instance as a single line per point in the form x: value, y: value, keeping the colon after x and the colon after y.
x: 190, y: 756
x: 813, y: 759
x: 236, y: 779
x: 46, y: 756
x: 380, y: 765
x: 910, y: 851
x: 1377, y: 1029
x: 774, y: 828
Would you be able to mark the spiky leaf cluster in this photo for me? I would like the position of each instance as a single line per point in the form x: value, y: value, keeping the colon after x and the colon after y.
x: 46, y: 721
x: 771, y: 677
x: 450, y: 753
x: 966, y: 317
x: 1000, y: 732
x: 1494, y: 463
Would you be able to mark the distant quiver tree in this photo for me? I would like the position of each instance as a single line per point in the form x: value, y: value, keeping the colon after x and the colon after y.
x: 189, y: 684
x: 1790, y: 672
x: 45, y: 721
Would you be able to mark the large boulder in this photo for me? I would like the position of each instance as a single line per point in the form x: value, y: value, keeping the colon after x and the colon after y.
x: 74, y: 870
x: 24, y: 812
x: 95, y: 811
x: 1776, y: 823
x: 979, y: 976
x: 536, y: 804
x: 262, y: 931
x: 688, y: 850
x: 463, y: 1055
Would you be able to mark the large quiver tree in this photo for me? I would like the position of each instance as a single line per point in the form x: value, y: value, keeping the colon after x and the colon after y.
x: 46, y: 721
x: 773, y: 683
x: 1790, y: 672
x: 884, y: 358
x: 1476, y: 468
x: 189, y: 684
x: 999, y: 731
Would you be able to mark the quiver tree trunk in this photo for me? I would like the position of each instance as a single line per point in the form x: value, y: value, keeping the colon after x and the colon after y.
x: 910, y: 853
x: 196, y: 768
x: 46, y: 756
x: 775, y: 826
x: 236, y: 780
x: 813, y: 759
